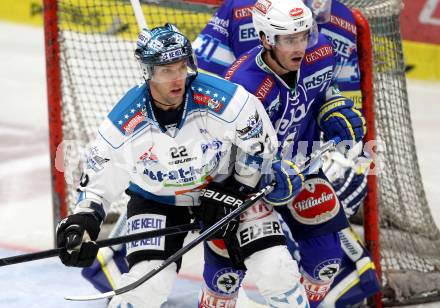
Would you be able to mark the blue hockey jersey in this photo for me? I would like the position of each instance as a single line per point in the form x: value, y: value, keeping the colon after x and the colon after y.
x: 291, y: 110
x: 230, y: 33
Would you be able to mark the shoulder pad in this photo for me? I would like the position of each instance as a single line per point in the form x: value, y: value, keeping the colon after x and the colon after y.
x: 126, y: 117
x: 242, y: 64
x: 223, y: 99
x: 253, y: 77
x: 128, y: 113
x: 212, y: 92
x: 342, y: 17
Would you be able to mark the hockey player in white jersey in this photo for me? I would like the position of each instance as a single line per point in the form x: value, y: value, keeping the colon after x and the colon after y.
x: 168, y: 139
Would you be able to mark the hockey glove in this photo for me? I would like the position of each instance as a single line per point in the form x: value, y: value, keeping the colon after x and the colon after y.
x: 339, y: 119
x: 76, y: 234
x: 216, y: 201
x: 347, y: 173
x: 289, y: 181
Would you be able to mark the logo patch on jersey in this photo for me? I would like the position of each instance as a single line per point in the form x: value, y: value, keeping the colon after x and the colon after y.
x: 341, y: 45
x: 146, y: 222
x: 220, y: 25
x: 132, y: 122
x: 318, y: 54
x: 227, y: 281
x: 235, y: 66
x: 247, y: 33
x: 258, y: 230
x: 296, y: 12
x: 148, y: 156
x: 265, y: 87
x: 206, y: 100
x: 95, y: 162
x: 254, y: 128
x: 318, y: 78
x: 243, y: 12
x: 343, y: 24
x: 327, y: 269
x: 316, y: 203
x: 263, y: 6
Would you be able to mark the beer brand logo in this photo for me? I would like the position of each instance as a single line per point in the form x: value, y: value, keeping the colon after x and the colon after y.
x: 316, y: 203
x: 206, y: 100
x: 296, y: 12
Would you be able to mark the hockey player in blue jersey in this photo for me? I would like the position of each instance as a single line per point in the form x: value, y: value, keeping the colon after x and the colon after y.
x: 184, y: 141
x: 230, y: 33
x: 294, y: 77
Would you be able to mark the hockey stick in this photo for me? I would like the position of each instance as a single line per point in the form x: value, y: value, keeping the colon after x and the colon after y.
x: 311, y: 166
x: 103, y: 243
x: 140, y: 18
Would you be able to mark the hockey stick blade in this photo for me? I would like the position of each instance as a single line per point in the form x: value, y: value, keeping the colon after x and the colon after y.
x: 102, y: 243
x: 308, y: 168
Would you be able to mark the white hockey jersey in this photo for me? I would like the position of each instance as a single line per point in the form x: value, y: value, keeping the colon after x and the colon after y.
x: 223, y: 127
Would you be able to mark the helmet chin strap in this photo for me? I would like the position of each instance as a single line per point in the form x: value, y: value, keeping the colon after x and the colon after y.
x: 160, y: 103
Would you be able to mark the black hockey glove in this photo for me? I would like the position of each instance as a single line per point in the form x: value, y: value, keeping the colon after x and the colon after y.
x: 216, y: 201
x: 77, y: 233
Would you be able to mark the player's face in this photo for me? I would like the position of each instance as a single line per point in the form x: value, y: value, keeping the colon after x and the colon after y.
x: 290, y: 49
x: 168, y: 84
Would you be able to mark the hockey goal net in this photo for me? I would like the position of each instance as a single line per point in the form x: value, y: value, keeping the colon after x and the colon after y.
x: 90, y: 63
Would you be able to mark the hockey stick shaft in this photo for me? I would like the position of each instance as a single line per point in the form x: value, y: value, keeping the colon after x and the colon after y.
x: 102, y: 243
x: 140, y: 17
x: 311, y: 166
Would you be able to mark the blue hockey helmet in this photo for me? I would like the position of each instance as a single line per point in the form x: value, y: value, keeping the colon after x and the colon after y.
x: 161, y: 46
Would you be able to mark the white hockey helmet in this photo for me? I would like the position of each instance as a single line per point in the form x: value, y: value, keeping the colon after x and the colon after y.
x: 282, y: 17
